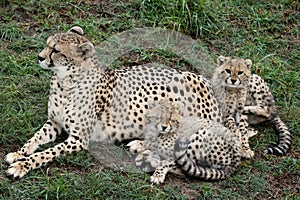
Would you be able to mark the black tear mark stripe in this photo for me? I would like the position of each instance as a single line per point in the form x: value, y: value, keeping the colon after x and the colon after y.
x: 50, y: 56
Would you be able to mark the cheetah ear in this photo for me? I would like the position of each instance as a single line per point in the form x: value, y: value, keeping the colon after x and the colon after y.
x: 221, y: 60
x: 248, y: 62
x: 150, y: 103
x: 181, y: 107
x: 77, y: 30
x: 85, y: 48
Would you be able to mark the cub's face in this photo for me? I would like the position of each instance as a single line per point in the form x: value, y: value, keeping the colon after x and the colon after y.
x: 165, y: 117
x: 234, y: 72
x: 64, y: 52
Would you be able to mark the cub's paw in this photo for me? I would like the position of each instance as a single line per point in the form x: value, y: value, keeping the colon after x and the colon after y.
x: 13, y: 157
x: 158, y: 177
x: 147, y: 161
x: 255, y: 110
x: 18, y: 169
x: 247, y: 153
x: 250, y: 110
x: 252, y: 132
x: 136, y: 146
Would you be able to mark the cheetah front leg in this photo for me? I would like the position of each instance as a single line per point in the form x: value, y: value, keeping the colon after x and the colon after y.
x: 231, y: 115
x: 79, y: 133
x: 36, y: 160
x: 230, y: 123
x: 245, y: 134
x: 46, y: 134
x: 241, y: 100
x: 161, y: 171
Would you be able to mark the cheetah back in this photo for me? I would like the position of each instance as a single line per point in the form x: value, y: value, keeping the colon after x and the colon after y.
x: 122, y: 109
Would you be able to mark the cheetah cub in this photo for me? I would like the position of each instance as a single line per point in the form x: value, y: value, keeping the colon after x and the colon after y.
x: 245, y: 99
x: 196, y: 147
x: 230, y: 84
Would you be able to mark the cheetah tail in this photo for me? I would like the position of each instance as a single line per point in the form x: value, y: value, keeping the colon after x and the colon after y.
x: 195, y: 169
x: 284, y: 138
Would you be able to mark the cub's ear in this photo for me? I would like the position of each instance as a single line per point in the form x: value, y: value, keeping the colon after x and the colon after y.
x: 248, y: 62
x: 85, y: 48
x: 222, y: 59
x: 151, y: 103
x: 76, y: 29
x: 178, y: 105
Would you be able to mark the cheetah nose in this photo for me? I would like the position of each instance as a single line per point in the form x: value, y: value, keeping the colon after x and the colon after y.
x: 233, y: 81
x: 41, y: 58
x: 164, y: 128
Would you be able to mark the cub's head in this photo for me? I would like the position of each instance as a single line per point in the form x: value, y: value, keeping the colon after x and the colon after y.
x: 165, y: 116
x: 234, y: 73
x: 65, y: 52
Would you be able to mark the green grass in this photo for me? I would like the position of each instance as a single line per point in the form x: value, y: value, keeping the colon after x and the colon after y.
x: 266, y: 32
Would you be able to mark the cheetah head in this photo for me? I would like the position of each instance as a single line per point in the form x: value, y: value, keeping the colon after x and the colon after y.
x: 165, y: 115
x: 67, y: 53
x: 234, y: 72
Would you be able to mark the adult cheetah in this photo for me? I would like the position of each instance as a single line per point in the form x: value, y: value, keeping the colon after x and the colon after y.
x: 91, y: 102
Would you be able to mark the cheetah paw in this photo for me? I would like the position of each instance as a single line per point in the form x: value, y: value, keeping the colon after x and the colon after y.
x: 248, y: 153
x: 18, y: 169
x: 247, y: 110
x: 255, y: 110
x: 147, y: 161
x: 149, y: 157
x: 252, y: 132
x: 136, y: 146
x: 12, y: 157
x: 157, y: 178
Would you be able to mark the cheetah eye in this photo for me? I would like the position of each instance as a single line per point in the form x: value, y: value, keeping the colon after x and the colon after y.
x: 240, y: 72
x: 228, y: 71
x: 173, y: 121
